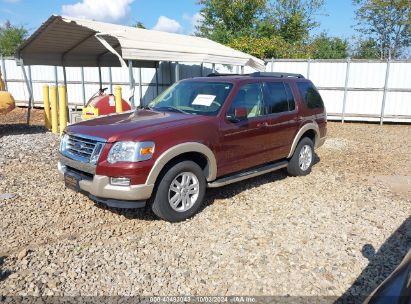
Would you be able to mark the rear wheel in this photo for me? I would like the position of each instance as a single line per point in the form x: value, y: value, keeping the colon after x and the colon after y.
x: 180, y: 192
x: 302, y: 160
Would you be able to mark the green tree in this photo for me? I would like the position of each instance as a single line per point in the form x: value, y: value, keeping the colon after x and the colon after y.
x: 224, y: 20
x: 139, y: 24
x: 263, y: 28
x: 388, y: 22
x: 295, y: 18
x: 10, y: 38
x: 325, y: 47
x: 366, y: 49
x: 267, y: 47
x: 263, y: 47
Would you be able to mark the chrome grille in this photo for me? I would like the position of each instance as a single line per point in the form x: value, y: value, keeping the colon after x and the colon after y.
x: 83, y: 148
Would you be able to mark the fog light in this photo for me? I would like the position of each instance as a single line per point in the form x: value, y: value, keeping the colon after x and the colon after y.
x: 120, y: 181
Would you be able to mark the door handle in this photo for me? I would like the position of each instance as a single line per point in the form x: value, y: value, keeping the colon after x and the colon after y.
x: 262, y: 124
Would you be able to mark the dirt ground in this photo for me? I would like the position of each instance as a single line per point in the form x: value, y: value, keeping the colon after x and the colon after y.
x: 337, y: 232
x: 19, y: 116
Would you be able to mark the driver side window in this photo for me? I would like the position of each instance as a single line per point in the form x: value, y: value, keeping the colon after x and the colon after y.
x: 249, y: 97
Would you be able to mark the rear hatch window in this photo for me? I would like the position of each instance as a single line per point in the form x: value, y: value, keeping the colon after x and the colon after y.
x: 310, y: 95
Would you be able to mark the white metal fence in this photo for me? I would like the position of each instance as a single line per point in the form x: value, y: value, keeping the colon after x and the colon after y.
x: 352, y: 90
x: 357, y: 89
x: 82, y: 83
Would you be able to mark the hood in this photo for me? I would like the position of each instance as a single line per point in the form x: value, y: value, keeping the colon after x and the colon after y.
x: 130, y: 125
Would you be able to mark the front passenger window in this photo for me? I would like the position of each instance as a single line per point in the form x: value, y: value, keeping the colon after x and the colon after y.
x: 249, y: 97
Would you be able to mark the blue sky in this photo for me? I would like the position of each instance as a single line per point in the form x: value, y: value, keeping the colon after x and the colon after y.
x: 168, y: 15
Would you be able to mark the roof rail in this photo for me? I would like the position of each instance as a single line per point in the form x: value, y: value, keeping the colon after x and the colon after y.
x: 276, y: 74
x: 260, y: 74
x: 215, y: 74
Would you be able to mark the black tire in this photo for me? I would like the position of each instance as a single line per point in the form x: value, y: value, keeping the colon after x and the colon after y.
x: 160, y: 203
x: 294, y: 168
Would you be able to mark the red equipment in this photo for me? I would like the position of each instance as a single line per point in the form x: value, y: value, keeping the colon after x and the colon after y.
x: 102, y: 104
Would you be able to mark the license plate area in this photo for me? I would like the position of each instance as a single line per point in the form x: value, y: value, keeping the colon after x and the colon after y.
x: 71, y: 181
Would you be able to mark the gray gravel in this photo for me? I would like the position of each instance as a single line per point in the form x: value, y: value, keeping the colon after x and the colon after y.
x: 272, y: 235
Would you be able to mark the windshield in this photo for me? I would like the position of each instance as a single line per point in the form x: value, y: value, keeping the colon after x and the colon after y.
x: 193, y: 97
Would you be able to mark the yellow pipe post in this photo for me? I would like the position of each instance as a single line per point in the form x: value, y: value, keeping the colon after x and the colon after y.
x: 62, y: 108
x: 119, y: 99
x: 54, y: 118
x: 47, y: 114
x: 2, y: 84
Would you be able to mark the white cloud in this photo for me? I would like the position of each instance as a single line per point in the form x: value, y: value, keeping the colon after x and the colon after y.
x: 11, y: 1
x: 195, y: 21
x: 166, y: 24
x: 101, y: 10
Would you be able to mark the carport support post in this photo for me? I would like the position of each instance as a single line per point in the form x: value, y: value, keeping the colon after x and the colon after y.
x: 31, y: 83
x: 64, y: 77
x: 213, y: 67
x: 156, y: 81
x: 170, y: 73
x: 177, y: 71
x: 65, y: 86
x: 83, y: 86
x: 30, y: 92
x: 3, y: 70
x: 347, y: 75
x: 201, y: 69
x: 272, y: 64
x: 56, y: 80
x: 56, y: 83
x: 384, y: 95
x: 100, y: 80
x: 131, y: 80
x: 242, y: 69
x: 308, y: 67
x: 140, y: 86
x: 110, y: 80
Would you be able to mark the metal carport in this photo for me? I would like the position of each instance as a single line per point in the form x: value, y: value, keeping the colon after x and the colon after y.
x: 66, y: 41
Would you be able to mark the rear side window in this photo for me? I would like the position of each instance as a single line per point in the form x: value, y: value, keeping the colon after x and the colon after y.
x: 310, y: 95
x: 279, y: 98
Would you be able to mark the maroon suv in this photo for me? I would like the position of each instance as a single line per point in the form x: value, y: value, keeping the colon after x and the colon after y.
x: 199, y: 133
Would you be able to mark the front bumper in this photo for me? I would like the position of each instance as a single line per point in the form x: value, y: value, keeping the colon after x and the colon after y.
x: 98, y: 188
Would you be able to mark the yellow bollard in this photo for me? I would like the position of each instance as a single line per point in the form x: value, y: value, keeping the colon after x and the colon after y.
x: 2, y: 84
x: 119, y: 99
x: 62, y: 108
x: 47, y: 121
x: 54, y: 119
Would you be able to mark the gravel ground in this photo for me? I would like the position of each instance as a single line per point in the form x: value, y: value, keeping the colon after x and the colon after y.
x: 271, y: 235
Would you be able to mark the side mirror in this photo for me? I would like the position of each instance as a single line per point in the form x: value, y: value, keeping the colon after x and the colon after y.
x: 240, y: 114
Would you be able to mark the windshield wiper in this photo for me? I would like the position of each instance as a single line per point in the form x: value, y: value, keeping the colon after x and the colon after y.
x: 173, y: 109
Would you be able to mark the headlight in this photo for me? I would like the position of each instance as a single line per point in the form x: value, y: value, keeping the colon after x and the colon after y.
x: 63, y: 142
x: 130, y: 151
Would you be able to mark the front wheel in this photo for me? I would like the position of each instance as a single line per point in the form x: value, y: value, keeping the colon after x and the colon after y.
x: 180, y: 192
x: 302, y: 160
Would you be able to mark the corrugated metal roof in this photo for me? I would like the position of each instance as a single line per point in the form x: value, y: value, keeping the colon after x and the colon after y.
x: 78, y: 42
